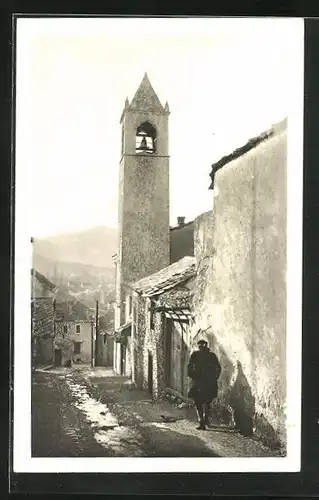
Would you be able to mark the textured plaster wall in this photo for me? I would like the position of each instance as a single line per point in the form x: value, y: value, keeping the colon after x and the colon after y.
x: 85, y: 336
x: 240, y: 293
x: 145, y: 228
x: 66, y: 341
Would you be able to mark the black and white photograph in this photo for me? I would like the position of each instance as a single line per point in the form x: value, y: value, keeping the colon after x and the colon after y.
x: 158, y: 244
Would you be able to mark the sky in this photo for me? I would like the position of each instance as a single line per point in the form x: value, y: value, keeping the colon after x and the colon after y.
x: 225, y: 80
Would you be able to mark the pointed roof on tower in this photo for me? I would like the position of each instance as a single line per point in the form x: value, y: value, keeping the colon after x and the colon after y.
x: 145, y: 98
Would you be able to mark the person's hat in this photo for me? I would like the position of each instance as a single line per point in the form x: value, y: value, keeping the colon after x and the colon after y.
x: 202, y: 342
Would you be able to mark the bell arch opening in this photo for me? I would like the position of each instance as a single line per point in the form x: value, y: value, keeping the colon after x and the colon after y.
x: 145, y: 139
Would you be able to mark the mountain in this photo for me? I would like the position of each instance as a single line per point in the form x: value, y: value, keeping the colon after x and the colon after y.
x: 93, y: 247
x: 72, y: 271
x: 80, y: 264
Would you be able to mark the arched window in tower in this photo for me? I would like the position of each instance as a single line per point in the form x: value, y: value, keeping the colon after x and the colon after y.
x: 145, y: 139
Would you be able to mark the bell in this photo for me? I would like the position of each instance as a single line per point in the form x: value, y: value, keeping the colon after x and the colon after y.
x: 143, y: 144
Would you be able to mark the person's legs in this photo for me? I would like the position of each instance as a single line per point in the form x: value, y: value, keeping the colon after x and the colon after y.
x: 206, y: 413
x: 200, y: 414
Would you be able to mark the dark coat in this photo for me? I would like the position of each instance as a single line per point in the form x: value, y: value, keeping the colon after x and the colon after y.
x: 204, y: 370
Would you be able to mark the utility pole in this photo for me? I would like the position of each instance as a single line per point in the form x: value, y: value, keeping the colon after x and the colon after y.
x: 97, y: 339
x: 92, y: 344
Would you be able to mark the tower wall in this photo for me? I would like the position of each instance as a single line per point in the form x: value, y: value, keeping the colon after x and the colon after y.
x: 143, y: 201
x: 143, y: 214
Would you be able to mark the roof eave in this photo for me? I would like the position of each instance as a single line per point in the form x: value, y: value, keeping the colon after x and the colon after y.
x: 239, y: 152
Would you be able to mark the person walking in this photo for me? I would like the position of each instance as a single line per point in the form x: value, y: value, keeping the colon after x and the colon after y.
x: 204, y: 370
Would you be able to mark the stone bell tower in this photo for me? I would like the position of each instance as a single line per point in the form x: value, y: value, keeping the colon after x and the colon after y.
x: 143, y: 223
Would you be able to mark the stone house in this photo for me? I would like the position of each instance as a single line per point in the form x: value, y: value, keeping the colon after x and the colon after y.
x: 181, y: 244
x: 159, y: 329
x: 43, y: 293
x: 239, y: 297
x: 74, y: 339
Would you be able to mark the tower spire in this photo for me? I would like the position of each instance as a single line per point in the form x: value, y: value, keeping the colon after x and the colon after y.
x: 145, y: 98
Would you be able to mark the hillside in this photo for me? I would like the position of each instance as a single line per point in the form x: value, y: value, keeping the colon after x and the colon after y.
x: 93, y: 247
x: 80, y: 263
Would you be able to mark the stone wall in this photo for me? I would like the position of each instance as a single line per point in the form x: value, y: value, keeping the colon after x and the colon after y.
x: 148, y: 340
x: 240, y: 293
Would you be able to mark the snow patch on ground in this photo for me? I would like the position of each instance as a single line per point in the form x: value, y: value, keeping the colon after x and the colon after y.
x: 107, y: 431
x: 97, y: 413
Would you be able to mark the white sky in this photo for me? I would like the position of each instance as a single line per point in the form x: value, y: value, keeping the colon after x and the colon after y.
x: 227, y: 77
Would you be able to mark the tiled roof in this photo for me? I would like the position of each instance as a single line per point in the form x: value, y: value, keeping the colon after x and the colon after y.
x: 42, y: 316
x: 43, y: 280
x: 174, y: 299
x: 166, y: 278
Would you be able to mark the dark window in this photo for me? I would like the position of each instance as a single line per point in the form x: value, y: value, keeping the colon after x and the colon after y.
x: 65, y: 329
x: 152, y: 319
x: 78, y: 328
x: 77, y: 347
x: 145, y: 139
x: 130, y: 305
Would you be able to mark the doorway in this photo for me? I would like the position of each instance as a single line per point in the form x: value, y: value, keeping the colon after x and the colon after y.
x: 150, y: 372
x: 176, y: 355
x: 57, y: 357
x: 123, y: 358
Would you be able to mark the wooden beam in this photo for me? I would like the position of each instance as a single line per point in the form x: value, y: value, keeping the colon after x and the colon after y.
x: 178, y: 395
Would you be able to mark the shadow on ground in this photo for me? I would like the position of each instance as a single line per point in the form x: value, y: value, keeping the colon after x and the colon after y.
x: 60, y: 428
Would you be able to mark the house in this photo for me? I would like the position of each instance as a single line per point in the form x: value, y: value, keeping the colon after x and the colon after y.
x: 43, y: 293
x: 74, y: 339
x: 158, y: 333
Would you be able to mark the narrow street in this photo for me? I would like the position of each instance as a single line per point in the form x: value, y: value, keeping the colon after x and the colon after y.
x: 83, y: 412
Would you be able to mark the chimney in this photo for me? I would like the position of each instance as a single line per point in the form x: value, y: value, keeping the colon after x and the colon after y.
x: 180, y: 221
